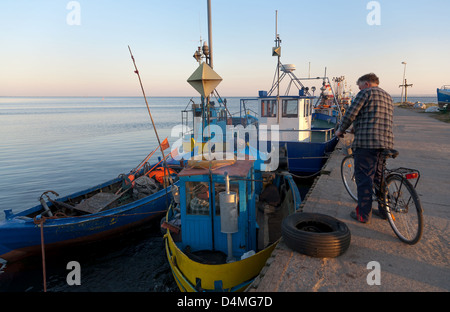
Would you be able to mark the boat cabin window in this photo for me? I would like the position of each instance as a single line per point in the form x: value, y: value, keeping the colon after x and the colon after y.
x: 219, y: 188
x: 197, y: 198
x: 268, y: 108
x: 308, y: 108
x: 290, y: 108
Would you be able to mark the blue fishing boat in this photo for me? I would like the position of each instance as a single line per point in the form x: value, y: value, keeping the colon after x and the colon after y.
x: 97, y: 213
x: 443, y: 95
x: 225, y: 218
x: 306, y: 123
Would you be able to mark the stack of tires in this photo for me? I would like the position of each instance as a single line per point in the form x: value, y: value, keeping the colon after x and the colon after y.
x: 315, y: 235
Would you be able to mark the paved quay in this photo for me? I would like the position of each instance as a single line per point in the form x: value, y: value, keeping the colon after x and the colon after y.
x: 424, y: 144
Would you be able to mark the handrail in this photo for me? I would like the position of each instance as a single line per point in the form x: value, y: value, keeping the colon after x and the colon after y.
x: 328, y: 132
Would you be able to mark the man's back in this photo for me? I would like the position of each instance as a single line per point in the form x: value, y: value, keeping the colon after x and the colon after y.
x: 372, y: 115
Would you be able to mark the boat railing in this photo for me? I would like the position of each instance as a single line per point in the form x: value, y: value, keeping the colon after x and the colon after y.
x: 328, y: 133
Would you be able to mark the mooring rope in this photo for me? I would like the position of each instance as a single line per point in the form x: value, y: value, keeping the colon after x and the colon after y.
x: 40, y: 222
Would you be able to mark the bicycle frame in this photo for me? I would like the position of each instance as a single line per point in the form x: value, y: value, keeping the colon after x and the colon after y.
x: 405, y: 173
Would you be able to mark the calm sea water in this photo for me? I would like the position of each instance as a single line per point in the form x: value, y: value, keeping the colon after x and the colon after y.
x: 68, y: 144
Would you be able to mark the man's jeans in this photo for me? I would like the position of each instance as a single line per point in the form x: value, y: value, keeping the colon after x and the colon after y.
x: 368, y: 169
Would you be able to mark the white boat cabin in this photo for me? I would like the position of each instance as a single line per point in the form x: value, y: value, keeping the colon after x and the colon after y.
x: 293, y: 115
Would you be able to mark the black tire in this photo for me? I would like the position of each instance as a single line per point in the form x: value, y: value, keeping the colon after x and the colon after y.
x: 315, y: 234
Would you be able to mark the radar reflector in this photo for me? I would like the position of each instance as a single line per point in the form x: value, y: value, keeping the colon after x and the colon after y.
x: 204, y: 80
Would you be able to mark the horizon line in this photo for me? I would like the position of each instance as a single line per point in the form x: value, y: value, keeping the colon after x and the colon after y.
x: 168, y: 96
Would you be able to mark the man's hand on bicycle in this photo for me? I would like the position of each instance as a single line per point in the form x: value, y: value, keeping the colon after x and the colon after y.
x: 340, y: 134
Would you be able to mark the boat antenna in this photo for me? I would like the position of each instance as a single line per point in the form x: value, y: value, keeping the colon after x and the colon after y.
x: 277, y: 52
x: 151, y: 117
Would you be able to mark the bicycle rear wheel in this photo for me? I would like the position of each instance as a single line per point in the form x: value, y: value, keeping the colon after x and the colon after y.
x: 404, y: 209
x: 348, y: 176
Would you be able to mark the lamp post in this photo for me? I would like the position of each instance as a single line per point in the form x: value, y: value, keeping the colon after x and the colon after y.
x: 403, y: 81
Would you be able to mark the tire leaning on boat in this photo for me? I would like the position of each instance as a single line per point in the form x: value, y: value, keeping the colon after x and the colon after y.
x: 315, y: 235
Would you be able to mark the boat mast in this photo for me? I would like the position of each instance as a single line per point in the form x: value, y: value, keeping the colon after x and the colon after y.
x: 277, y: 52
x: 210, y: 35
x: 210, y: 58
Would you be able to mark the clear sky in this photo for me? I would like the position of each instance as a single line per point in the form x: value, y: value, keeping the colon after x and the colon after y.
x: 42, y: 54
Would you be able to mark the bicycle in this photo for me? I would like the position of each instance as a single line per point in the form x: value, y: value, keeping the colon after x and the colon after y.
x: 395, y: 194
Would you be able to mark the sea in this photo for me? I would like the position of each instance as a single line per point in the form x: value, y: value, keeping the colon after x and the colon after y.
x: 68, y: 144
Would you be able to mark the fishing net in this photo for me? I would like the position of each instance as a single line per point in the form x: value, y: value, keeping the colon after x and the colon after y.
x: 143, y: 187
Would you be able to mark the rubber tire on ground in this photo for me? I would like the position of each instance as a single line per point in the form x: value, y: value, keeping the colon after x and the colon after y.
x: 315, y: 235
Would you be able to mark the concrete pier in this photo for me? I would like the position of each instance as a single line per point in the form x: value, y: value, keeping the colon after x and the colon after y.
x: 424, y: 144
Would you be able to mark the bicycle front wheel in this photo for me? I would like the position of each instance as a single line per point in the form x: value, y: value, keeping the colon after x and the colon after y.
x: 404, y: 210
x: 348, y: 176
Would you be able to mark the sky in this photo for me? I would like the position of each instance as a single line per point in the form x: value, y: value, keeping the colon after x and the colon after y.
x: 80, y: 48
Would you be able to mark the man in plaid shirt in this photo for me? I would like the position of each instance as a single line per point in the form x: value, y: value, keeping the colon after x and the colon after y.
x: 372, y: 116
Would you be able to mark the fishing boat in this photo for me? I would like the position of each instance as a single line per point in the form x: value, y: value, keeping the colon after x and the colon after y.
x: 118, y: 205
x: 443, y: 95
x: 225, y: 217
x: 222, y: 225
x: 100, y: 212
x: 306, y: 122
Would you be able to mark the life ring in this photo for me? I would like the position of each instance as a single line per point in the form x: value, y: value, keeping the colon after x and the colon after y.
x: 315, y: 235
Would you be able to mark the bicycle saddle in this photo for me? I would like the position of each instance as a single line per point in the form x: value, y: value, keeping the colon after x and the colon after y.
x: 390, y: 153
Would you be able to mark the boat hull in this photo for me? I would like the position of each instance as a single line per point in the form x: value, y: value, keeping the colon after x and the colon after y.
x: 192, y: 276
x: 307, y: 157
x: 20, y: 236
x: 443, y: 96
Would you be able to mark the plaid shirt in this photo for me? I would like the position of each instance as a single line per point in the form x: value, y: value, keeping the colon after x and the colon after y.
x: 372, y: 115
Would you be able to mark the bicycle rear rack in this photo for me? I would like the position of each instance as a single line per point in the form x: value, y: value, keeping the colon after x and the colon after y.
x: 407, y: 173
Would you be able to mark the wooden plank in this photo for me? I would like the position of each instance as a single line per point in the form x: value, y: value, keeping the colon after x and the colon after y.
x: 97, y: 202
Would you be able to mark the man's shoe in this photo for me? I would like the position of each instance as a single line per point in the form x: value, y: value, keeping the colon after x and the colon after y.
x: 354, y: 214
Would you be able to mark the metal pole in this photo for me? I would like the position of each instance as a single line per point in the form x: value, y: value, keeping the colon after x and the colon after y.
x: 404, y: 73
x: 406, y: 92
x: 208, y: 116
x: 151, y: 118
x: 277, y: 44
x: 210, y: 35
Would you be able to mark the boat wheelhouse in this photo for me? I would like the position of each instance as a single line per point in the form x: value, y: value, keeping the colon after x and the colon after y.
x: 221, y: 227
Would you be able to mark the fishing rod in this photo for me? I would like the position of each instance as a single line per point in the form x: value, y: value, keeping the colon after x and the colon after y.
x: 151, y: 117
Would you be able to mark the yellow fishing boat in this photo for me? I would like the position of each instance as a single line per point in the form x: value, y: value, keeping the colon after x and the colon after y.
x: 224, y: 223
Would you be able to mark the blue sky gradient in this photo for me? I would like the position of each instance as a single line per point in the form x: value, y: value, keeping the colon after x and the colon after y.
x: 42, y: 55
